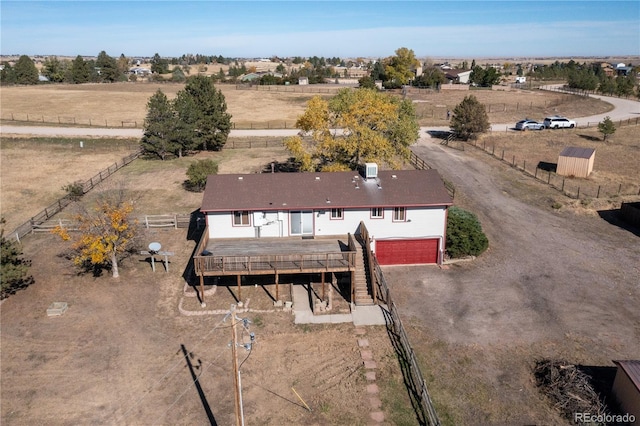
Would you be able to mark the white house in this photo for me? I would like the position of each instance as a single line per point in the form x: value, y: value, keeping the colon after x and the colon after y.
x: 404, y: 211
x: 458, y: 76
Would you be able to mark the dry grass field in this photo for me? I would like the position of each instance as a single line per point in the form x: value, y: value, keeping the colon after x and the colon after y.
x: 615, y: 169
x: 124, y: 104
x: 118, y: 103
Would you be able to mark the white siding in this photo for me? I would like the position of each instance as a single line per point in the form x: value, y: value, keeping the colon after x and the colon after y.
x: 420, y: 223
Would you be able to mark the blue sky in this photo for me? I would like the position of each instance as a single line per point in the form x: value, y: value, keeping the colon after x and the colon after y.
x: 439, y: 29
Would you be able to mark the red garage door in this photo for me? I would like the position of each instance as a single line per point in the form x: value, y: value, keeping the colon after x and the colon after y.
x: 405, y: 252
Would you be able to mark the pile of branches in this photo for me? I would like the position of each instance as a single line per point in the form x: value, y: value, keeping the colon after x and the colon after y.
x: 569, y: 388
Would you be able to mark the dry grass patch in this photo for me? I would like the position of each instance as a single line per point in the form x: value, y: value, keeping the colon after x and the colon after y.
x: 35, y: 170
x: 506, y: 106
x: 616, y: 161
x: 95, y: 104
x: 125, y: 104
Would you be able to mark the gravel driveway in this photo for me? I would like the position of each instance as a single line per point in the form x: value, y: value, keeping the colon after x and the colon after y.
x: 546, y: 272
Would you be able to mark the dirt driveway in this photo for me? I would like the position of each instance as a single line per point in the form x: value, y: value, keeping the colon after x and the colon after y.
x: 552, y: 283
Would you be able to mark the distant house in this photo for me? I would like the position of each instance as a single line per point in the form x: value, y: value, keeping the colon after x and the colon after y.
x: 257, y: 75
x: 626, y: 388
x: 458, y: 76
x: 140, y: 71
x: 303, y: 80
x: 574, y: 161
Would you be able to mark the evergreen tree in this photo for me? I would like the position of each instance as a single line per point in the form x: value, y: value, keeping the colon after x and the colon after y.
x: 606, y: 127
x: 14, y: 268
x: 26, y: 71
x: 123, y: 64
x: 7, y: 74
x: 159, y: 65
x: 107, y: 68
x: 54, y: 69
x: 464, y: 234
x: 159, y: 138
x: 198, y: 173
x: 202, y: 111
x: 80, y: 71
x: 469, y: 118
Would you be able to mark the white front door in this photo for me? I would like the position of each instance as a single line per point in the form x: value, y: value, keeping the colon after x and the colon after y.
x: 301, y: 222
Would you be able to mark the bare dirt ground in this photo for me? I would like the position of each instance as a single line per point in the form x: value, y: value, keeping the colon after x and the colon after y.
x: 116, y: 356
x: 552, y: 284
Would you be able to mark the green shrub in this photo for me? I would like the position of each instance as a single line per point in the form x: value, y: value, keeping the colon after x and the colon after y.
x: 75, y: 190
x: 464, y: 234
x: 198, y: 173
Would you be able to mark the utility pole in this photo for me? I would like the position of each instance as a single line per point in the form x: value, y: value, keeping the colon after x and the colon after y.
x: 236, y: 371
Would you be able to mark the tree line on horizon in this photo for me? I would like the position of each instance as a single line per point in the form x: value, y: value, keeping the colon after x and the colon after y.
x: 393, y: 72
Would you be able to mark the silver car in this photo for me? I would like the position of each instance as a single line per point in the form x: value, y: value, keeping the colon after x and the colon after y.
x: 529, y: 125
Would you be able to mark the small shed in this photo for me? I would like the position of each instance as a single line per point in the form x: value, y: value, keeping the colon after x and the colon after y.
x: 574, y: 161
x: 626, y: 388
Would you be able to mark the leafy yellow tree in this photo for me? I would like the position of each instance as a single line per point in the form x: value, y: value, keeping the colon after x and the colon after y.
x: 401, y: 68
x: 353, y: 127
x: 106, y: 232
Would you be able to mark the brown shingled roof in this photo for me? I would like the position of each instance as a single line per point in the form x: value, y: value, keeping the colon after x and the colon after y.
x: 291, y: 191
x: 632, y: 368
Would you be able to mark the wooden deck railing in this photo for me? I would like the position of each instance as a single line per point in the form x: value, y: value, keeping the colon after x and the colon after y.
x: 212, y: 264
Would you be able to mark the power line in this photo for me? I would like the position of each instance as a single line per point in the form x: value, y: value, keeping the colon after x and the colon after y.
x: 164, y: 376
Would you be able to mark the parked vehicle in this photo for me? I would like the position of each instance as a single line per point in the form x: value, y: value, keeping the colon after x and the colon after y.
x: 527, y: 124
x: 521, y: 80
x: 558, y: 122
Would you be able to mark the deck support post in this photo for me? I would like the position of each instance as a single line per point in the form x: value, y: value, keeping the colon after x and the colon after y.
x: 277, y: 288
x: 322, y: 286
x: 353, y: 287
x: 201, y: 289
x: 239, y: 288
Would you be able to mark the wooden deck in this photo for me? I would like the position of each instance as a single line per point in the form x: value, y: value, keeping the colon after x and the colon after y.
x: 260, y: 256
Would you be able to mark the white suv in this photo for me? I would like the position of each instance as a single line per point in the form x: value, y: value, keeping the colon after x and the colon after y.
x: 557, y: 122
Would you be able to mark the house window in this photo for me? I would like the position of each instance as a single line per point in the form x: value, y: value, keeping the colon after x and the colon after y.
x: 241, y: 218
x: 377, y: 213
x: 399, y: 214
x: 336, y: 214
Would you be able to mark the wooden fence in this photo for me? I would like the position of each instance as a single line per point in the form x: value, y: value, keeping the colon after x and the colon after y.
x: 37, y: 221
x: 420, y: 164
x: 413, y: 377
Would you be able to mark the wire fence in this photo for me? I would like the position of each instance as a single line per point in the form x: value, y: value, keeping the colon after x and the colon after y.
x: 570, y: 186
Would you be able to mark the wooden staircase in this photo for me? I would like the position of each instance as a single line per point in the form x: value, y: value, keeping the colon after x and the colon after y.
x: 361, y: 285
